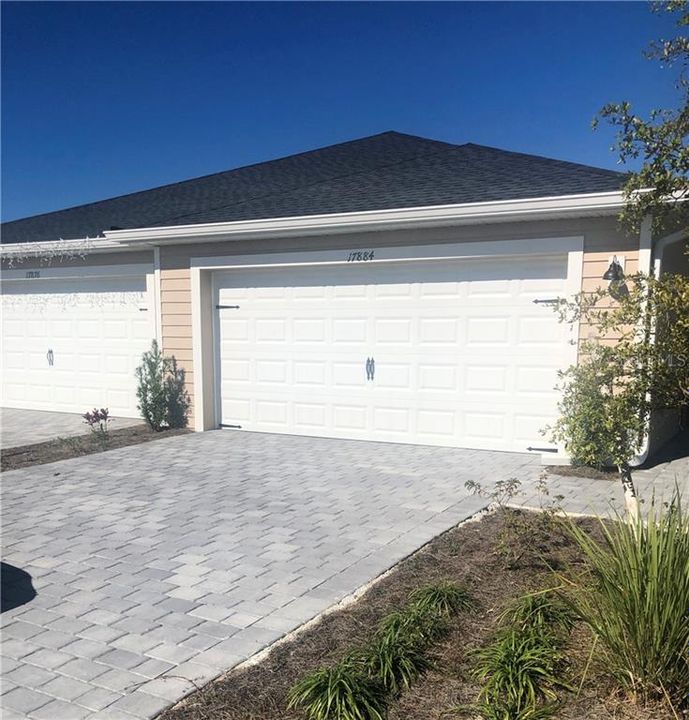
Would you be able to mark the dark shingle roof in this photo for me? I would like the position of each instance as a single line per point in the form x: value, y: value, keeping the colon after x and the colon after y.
x: 390, y: 170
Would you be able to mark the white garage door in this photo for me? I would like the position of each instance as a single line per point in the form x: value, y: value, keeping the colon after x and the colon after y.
x: 453, y: 353
x: 73, y: 344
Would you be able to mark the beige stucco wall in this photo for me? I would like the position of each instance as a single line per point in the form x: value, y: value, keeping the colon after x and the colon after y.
x: 602, y: 238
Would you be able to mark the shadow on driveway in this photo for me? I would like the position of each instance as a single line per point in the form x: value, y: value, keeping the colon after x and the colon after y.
x: 16, y: 587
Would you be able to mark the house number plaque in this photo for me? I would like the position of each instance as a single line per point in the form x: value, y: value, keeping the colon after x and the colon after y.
x: 360, y: 256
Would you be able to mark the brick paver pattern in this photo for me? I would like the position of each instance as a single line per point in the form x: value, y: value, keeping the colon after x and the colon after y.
x: 159, y: 566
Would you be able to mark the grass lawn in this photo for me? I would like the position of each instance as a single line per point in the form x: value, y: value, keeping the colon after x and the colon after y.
x: 467, y: 555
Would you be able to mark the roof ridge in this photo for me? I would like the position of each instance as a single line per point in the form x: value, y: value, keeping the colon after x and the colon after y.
x: 224, y: 172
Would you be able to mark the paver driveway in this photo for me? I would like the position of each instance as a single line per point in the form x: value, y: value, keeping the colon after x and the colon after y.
x: 158, y: 564
x: 177, y: 559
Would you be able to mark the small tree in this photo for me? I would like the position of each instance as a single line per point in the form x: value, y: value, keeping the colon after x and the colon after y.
x: 163, y: 398
x: 177, y: 397
x: 151, y: 390
x: 608, y: 397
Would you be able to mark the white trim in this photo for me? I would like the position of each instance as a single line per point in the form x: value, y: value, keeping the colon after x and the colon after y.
x: 575, y: 275
x: 398, y: 253
x: 82, y: 271
x: 157, y: 294
x: 645, y: 245
x: 54, y: 248
x: 661, y: 244
x: 588, y: 204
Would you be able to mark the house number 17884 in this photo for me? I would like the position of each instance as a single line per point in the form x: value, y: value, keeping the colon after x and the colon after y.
x: 360, y: 256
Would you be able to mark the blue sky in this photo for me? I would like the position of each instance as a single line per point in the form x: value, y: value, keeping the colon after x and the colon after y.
x: 101, y: 99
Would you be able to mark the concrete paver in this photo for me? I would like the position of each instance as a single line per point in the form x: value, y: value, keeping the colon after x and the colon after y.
x: 178, y: 559
x: 25, y: 427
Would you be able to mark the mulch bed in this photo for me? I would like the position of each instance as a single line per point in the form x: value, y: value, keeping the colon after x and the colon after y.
x: 583, y: 471
x: 71, y: 447
x: 465, y: 554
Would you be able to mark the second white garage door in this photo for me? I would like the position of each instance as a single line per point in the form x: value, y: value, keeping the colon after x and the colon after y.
x: 73, y: 344
x: 453, y: 353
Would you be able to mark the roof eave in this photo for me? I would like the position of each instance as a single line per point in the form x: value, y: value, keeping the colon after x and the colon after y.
x: 585, y: 205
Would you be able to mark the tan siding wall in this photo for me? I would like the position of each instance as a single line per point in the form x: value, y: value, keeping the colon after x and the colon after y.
x: 596, y: 262
x: 175, y: 314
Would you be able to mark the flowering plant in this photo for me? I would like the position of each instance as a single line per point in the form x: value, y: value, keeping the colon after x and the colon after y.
x: 99, y: 423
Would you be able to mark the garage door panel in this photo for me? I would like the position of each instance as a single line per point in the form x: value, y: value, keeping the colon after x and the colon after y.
x: 438, y: 331
x: 310, y: 415
x: 533, y: 379
x: 309, y: 330
x: 349, y: 417
x: 391, y: 375
x: 488, y: 331
x: 487, y: 378
x: 309, y: 372
x: 437, y: 377
x: 350, y: 374
x: 430, y: 423
x: 485, y: 426
x: 349, y: 330
x: 463, y: 357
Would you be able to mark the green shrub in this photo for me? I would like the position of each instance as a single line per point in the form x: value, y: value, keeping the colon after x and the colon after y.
x: 413, y: 624
x: 396, y: 659
x: 151, y: 387
x: 357, y: 688
x: 636, y: 600
x: 163, y: 399
x: 520, y: 672
x: 441, y: 599
x: 176, y: 396
x: 541, y: 611
x: 342, y: 692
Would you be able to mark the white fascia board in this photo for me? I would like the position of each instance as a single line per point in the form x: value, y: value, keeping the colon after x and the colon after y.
x: 436, y: 215
x: 56, y: 248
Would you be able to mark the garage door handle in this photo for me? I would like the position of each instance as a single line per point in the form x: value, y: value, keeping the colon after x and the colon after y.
x: 370, y: 368
x: 49, y: 355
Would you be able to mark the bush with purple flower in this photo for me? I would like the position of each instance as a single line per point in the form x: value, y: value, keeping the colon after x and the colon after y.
x: 99, y: 423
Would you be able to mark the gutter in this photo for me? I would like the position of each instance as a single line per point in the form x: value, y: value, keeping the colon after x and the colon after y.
x: 596, y: 204
x: 57, y: 248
